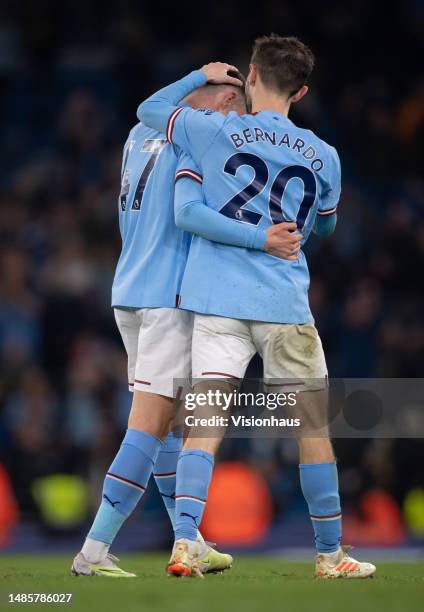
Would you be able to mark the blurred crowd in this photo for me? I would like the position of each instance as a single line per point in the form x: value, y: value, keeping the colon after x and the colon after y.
x: 71, y: 77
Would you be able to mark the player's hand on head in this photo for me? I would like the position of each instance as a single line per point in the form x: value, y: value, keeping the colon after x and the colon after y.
x: 283, y: 242
x: 217, y: 73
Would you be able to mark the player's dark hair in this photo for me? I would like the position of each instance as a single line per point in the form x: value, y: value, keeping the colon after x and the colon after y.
x: 236, y: 74
x: 284, y: 63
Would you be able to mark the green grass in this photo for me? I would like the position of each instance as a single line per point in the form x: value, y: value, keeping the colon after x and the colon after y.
x: 254, y: 584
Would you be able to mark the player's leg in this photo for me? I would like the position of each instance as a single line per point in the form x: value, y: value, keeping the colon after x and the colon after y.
x: 176, y: 327
x: 222, y: 349
x: 149, y: 420
x: 165, y: 472
x: 165, y: 358
x: 294, y: 359
x: 320, y: 487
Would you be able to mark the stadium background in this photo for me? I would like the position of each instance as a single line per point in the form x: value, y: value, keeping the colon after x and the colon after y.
x: 71, y: 77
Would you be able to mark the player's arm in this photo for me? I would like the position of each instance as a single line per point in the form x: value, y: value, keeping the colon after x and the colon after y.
x: 193, y: 215
x: 156, y: 111
x: 326, y: 219
x: 192, y: 130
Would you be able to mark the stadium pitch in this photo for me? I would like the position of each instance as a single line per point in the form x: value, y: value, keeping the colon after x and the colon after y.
x: 254, y: 583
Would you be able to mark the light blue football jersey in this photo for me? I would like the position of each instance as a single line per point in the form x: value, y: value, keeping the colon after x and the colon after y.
x: 154, y: 251
x: 258, y: 169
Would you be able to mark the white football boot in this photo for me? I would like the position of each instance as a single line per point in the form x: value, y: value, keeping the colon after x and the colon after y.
x: 340, y: 565
x: 194, y: 559
x: 104, y: 567
x: 185, y: 559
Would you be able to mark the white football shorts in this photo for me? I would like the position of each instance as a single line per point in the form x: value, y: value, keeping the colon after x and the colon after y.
x: 292, y: 354
x: 158, y: 345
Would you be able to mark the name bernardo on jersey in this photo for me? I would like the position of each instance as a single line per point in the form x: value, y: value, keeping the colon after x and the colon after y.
x: 256, y: 134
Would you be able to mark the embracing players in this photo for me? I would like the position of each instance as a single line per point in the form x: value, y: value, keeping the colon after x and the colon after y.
x: 259, y: 170
x: 156, y: 333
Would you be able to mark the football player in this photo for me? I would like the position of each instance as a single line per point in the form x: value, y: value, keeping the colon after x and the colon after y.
x: 155, y: 331
x: 258, y: 169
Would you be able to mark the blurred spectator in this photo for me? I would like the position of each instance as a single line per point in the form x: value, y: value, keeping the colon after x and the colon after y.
x: 19, y: 310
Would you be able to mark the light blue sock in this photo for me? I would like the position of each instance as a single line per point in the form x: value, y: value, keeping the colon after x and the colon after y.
x: 125, y: 483
x: 320, y: 488
x: 165, y: 472
x: 194, y: 473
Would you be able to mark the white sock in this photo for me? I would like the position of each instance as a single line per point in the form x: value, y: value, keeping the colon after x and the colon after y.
x: 333, y: 557
x: 94, y: 551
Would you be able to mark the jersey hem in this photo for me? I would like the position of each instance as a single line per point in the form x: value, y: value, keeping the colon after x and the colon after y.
x: 216, y: 311
x: 143, y: 304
